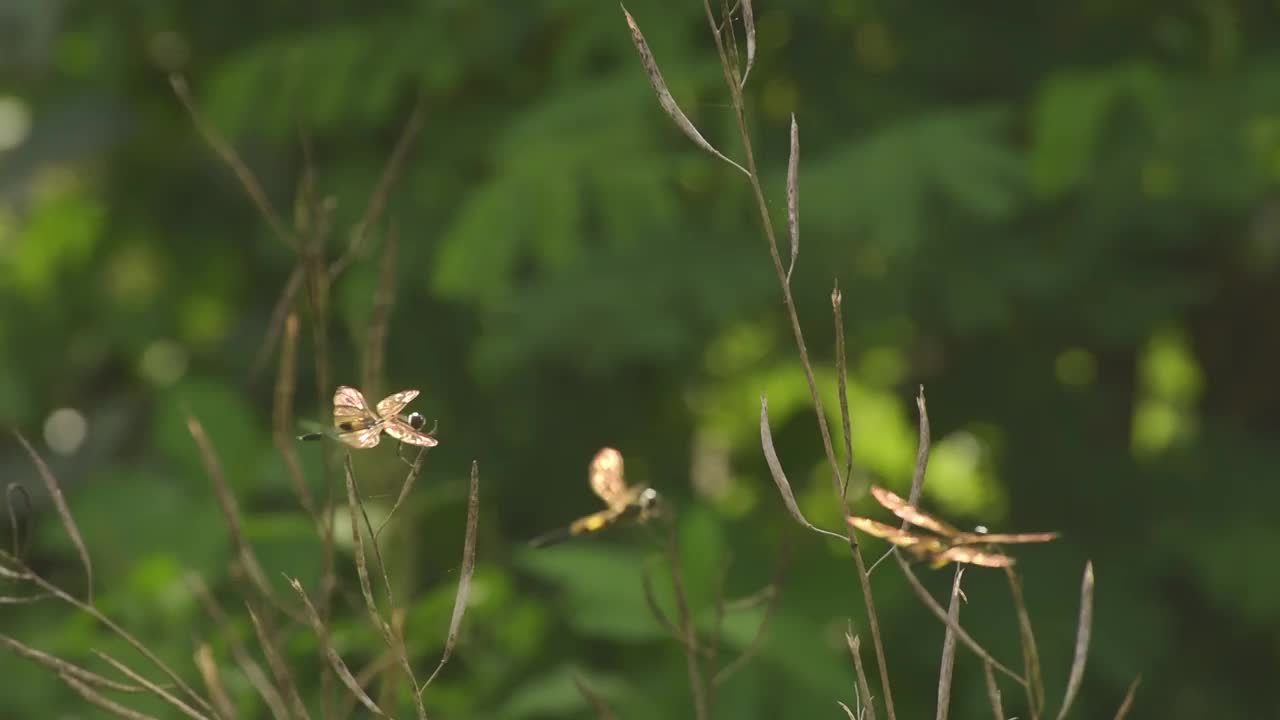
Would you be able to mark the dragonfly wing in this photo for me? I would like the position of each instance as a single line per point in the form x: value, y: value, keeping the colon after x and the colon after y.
x: 972, y: 556
x: 404, y: 432
x: 894, y: 535
x: 351, y: 409
x: 607, y: 478
x: 910, y: 513
x: 1008, y: 538
x: 362, y: 439
x: 391, y: 405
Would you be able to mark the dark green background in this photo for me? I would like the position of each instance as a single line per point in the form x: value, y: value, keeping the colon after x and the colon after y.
x: 1061, y: 218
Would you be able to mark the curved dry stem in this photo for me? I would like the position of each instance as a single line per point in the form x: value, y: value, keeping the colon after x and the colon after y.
x: 867, y: 707
x: 107, y: 704
x: 1083, y: 632
x: 153, y: 688
x: 1030, y: 651
x: 464, y: 575
x: 63, y: 667
x: 64, y: 513
x: 941, y: 614
x: 335, y: 660
x: 948, y: 664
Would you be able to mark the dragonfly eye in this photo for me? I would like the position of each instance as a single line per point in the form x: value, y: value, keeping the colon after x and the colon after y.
x: 649, y: 501
x: 417, y: 421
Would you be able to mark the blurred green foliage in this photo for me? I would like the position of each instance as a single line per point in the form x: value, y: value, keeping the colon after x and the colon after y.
x: 1061, y: 218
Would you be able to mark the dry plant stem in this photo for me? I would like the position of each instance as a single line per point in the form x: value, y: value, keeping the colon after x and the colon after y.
x: 282, y: 418
x: 686, y: 626
x: 335, y: 660
x: 279, y: 668
x: 780, y: 476
x: 231, y: 515
x: 749, y: 26
x: 278, y: 314
x: 11, y: 491
x: 405, y: 487
x: 1030, y: 653
x: 93, y: 612
x: 62, y: 667
x: 947, y: 668
x: 739, y: 108
x: 356, y: 510
x: 655, y: 608
x: 232, y: 159
x: 955, y: 627
x: 848, y: 713
x: 770, y: 609
x: 793, y: 195
x: 1123, y: 710
x: 1083, y: 632
x: 212, y: 676
x: 384, y: 296
x: 922, y: 453
x: 155, y: 689
x: 864, y: 690
x: 993, y: 692
x: 842, y: 379
x: 378, y: 199
x: 591, y: 696
x: 665, y: 99
x: 464, y: 575
x: 248, y: 666
x: 107, y: 704
x: 64, y: 513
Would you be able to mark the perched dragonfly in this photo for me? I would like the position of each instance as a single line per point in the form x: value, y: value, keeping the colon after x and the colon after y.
x: 954, y: 546
x: 358, y: 426
x: 624, y: 501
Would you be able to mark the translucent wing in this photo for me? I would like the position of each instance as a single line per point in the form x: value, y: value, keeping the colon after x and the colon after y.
x: 351, y: 410
x: 911, y: 514
x: 391, y: 405
x: 361, y: 439
x: 607, y: 479
x: 404, y: 432
x: 965, y: 554
x: 897, y: 536
x: 1002, y: 538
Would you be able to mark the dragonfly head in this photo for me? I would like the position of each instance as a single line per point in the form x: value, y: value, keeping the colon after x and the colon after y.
x: 650, y: 503
x: 416, y: 420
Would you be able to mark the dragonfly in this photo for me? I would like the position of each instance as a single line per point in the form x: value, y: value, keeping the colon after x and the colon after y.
x: 624, y: 501
x: 954, y: 545
x: 356, y: 425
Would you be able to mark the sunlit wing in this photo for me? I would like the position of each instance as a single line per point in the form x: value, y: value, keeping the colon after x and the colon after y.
x: 1003, y: 538
x: 350, y: 410
x: 607, y: 478
x: 971, y: 556
x: 404, y: 432
x: 912, y: 514
x: 897, y: 536
x: 362, y: 439
x: 391, y: 405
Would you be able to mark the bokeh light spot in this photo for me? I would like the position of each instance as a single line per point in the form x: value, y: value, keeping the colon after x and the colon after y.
x: 65, y: 430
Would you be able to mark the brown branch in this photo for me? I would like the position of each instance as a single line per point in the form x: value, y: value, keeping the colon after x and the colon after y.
x: 948, y: 664
x: 107, y: 704
x: 279, y: 668
x: 864, y: 690
x: 1083, y: 632
x: 464, y: 574
x: 63, y: 667
x: 1030, y: 651
x: 155, y: 689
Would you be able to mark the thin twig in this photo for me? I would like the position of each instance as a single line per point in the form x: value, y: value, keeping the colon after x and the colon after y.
x: 603, y: 712
x: 922, y: 453
x: 955, y: 627
x: 212, y: 676
x: 356, y: 509
x: 864, y: 690
x: 780, y: 476
x: 993, y: 692
x: 842, y: 385
x: 774, y: 588
x: 279, y: 668
x: 282, y: 418
x: 687, y: 629
x: 464, y: 575
x: 1030, y: 651
x: 155, y: 689
x: 248, y: 666
x: 64, y: 513
x: 335, y: 660
x: 107, y: 704
x: 1083, y: 632
x: 276, y: 324
x: 384, y: 297
x: 948, y: 664
x: 63, y: 667
x: 229, y: 156
x: 1123, y: 710
x: 92, y: 611
x: 11, y: 491
x: 231, y: 515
